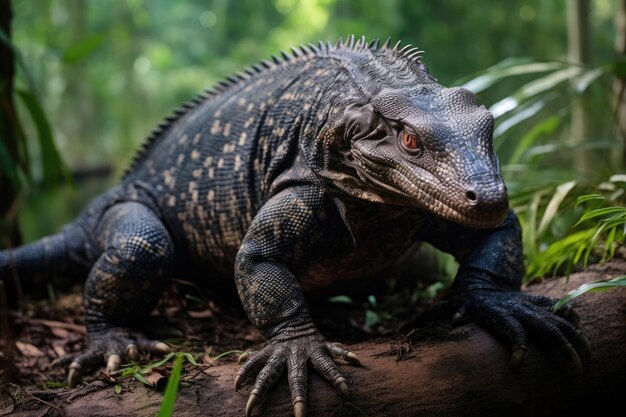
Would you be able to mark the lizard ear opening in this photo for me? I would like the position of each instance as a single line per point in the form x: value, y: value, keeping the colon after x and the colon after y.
x: 360, y: 121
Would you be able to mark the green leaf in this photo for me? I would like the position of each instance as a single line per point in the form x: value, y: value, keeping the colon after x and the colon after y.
x: 372, y: 300
x: 587, y: 197
x: 141, y: 379
x: 117, y: 388
x: 83, y: 48
x: 189, y: 357
x: 53, y: 167
x: 601, y: 212
x: 160, y: 362
x: 171, y: 390
x: 553, y: 206
x: 546, y: 127
x: 230, y: 352
x: 344, y: 299
x: 371, y: 318
x: 525, y: 112
x: 533, y: 88
x: 494, y: 74
x: 595, y: 286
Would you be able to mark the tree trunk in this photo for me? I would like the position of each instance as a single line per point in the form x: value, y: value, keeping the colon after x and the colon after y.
x: 620, y: 78
x: 468, y: 376
x: 579, y: 51
x: 9, y: 231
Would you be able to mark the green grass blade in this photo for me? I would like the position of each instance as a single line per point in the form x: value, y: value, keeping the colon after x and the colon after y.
x: 230, y: 352
x: 595, y: 286
x: 160, y: 362
x: 171, y: 390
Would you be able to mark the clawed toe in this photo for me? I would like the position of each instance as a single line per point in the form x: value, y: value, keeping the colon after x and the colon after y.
x: 110, y: 348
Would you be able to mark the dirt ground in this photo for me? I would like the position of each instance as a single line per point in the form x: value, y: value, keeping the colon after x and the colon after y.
x: 207, y: 326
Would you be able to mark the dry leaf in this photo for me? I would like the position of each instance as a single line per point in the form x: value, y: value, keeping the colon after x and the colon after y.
x: 27, y: 349
x: 202, y: 314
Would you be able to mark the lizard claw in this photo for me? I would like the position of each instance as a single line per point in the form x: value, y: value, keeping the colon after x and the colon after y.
x: 114, y: 345
x: 73, y: 374
x: 513, y: 314
x: 113, y: 363
x: 517, y: 355
x: 161, y: 348
x: 342, y: 386
x: 253, y: 401
x: 299, y: 408
x: 353, y: 359
x: 292, y: 355
x: 244, y: 357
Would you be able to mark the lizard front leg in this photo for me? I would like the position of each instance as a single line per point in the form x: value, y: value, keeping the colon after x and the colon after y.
x: 487, y: 288
x: 286, y: 234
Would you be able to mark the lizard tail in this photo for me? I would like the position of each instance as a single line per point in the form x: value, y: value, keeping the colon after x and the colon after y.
x: 57, y: 258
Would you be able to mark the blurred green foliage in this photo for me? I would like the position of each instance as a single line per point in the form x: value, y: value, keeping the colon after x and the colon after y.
x: 107, y: 72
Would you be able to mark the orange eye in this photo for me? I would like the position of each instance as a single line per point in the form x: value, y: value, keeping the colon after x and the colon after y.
x: 409, y: 141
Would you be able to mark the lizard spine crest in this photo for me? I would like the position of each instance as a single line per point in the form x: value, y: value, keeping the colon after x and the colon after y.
x: 408, y: 52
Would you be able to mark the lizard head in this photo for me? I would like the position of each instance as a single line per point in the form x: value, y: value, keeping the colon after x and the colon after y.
x: 411, y: 141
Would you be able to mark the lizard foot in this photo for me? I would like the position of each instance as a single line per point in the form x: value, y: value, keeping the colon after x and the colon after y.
x: 513, y: 313
x: 109, y: 346
x: 293, y: 354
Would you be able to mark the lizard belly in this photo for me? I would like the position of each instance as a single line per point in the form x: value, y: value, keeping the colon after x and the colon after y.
x: 362, y: 262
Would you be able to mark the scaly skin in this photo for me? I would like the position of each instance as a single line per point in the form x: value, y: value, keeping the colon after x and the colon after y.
x: 320, y: 166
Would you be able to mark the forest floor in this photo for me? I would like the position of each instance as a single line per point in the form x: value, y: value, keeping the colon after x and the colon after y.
x: 191, y: 320
x: 204, y: 325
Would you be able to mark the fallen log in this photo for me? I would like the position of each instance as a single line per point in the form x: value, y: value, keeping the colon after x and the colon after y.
x: 463, y: 377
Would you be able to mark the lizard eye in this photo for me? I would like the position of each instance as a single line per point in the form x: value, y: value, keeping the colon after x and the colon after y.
x: 410, y: 142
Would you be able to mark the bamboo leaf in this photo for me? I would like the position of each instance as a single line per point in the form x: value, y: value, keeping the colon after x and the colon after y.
x: 494, y: 74
x: 594, y: 286
x: 546, y: 127
x: 585, y: 80
x: 600, y: 212
x: 553, y: 206
x: 533, y: 88
x: 588, y: 197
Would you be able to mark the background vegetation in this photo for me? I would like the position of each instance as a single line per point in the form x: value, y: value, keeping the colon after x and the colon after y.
x: 106, y: 73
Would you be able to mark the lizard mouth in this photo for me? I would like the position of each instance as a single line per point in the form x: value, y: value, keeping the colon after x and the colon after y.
x: 426, y: 191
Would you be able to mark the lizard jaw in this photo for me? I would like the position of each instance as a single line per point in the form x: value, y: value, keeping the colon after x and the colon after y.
x: 428, y: 193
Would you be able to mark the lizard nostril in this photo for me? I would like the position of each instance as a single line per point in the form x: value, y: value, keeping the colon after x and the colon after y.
x: 471, y: 196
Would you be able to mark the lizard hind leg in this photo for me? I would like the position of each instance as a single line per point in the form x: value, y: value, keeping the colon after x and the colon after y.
x: 123, y: 286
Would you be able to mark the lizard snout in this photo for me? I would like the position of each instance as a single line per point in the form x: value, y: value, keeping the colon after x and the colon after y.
x: 487, y: 200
